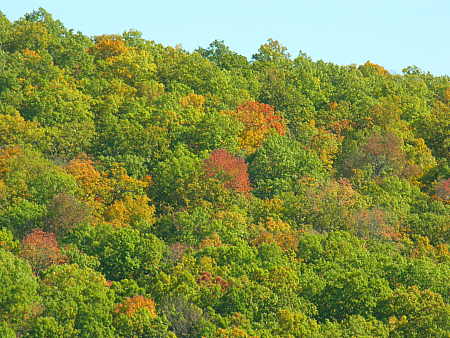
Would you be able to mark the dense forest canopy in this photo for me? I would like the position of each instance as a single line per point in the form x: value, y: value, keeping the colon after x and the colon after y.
x: 147, y: 191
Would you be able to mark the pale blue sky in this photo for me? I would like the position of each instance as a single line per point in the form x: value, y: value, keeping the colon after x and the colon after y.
x: 393, y: 33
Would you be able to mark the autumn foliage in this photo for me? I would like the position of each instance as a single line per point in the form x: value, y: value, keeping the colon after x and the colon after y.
x: 259, y: 120
x: 65, y: 213
x: 207, y: 279
x: 231, y: 169
x: 134, y: 304
x: 108, y: 46
x: 442, y: 190
x: 41, y: 249
x: 150, y: 191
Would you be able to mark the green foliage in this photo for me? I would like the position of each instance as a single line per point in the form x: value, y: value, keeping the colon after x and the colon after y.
x: 7, y: 241
x: 177, y: 178
x: 123, y: 252
x: 412, y: 312
x: 279, y: 164
x: 19, y: 298
x: 76, y: 302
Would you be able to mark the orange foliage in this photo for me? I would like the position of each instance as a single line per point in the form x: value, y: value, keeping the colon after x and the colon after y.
x: 377, y: 68
x: 95, y: 185
x: 333, y: 105
x: 30, y: 53
x: 341, y: 126
x: 133, y: 304
x: 259, y: 120
x: 6, y: 154
x: 211, y: 241
x: 115, y: 197
x: 108, y: 46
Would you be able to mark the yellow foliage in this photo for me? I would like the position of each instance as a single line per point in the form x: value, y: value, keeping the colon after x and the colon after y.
x: 2, y: 190
x: 115, y: 197
x: 193, y: 100
x: 447, y: 95
x: 129, y: 210
x: 14, y: 129
x: 207, y: 263
x: 277, y: 232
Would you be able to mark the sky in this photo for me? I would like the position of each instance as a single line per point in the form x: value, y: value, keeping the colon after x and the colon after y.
x: 392, y: 33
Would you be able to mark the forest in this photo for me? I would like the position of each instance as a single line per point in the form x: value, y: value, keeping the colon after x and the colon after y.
x: 149, y: 191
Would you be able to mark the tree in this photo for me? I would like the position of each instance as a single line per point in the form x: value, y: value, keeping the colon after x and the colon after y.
x: 19, y: 299
x: 223, y: 56
x: 416, y: 313
x: 279, y: 164
x: 259, y: 121
x: 41, y: 250
x: 229, y: 169
x: 78, y: 301
x: 123, y: 252
x: 64, y: 213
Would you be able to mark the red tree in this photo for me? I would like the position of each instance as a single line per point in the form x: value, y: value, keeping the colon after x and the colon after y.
x: 230, y: 169
x: 41, y: 249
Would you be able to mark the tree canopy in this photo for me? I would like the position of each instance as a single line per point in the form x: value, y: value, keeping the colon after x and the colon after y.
x: 148, y: 191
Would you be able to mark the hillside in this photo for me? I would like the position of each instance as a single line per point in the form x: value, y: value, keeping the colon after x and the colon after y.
x: 147, y: 191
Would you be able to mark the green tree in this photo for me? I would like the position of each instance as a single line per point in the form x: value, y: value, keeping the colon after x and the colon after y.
x: 19, y: 299
x: 279, y: 164
x: 123, y: 252
x: 76, y: 302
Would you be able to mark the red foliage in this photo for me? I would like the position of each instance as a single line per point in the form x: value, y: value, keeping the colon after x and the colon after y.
x: 41, y: 249
x: 232, y: 169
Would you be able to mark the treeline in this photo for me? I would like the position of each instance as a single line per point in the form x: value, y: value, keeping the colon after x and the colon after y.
x: 146, y: 191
